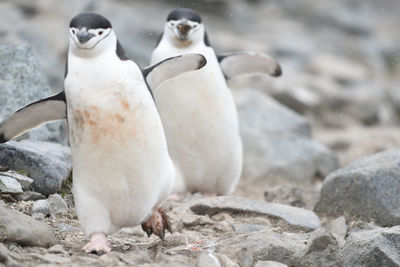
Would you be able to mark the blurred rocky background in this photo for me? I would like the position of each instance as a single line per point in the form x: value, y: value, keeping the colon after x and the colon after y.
x: 323, y: 137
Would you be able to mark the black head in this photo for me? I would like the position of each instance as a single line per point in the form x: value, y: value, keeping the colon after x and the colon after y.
x: 184, y: 13
x: 184, y: 27
x: 90, y: 30
x: 90, y: 21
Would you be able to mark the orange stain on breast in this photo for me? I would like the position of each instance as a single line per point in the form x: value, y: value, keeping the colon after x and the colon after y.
x: 105, y: 125
x: 125, y: 104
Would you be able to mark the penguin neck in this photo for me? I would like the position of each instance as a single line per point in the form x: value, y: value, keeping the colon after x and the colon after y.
x: 186, y: 46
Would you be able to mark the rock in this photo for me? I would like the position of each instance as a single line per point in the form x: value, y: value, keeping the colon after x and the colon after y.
x: 338, y: 228
x: 135, y: 258
x: 22, y: 81
x: 271, y: 244
x: 22, y: 179
x: 24, y: 230
x: 29, y: 196
x: 41, y: 209
x: 207, y: 260
x: 322, y: 250
x: 38, y: 216
x: 226, y: 261
x: 269, y: 264
x: 277, y: 144
x: 48, y: 164
x: 57, y: 249
x: 9, y: 185
x: 244, y: 228
x: 53, y: 259
x: 57, y: 205
x: 367, y: 188
x: 3, y: 253
x: 342, y: 70
x: 245, y: 258
x: 111, y: 259
x: 190, y: 219
x: 254, y: 104
x: 300, y: 99
x: 379, y: 247
x: 283, y: 195
x: 63, y: 227
x: 295, y: 217
x: 355, y: 142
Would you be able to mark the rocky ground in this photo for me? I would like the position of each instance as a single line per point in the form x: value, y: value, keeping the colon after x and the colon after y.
x: 321, y: 175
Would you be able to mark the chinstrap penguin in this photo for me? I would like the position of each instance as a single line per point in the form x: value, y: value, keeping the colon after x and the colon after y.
x: 122, y: 172
x: 197, y: 109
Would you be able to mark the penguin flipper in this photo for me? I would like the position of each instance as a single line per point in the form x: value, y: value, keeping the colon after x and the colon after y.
x: 234, y: 64
x: 172, y: 67
x: 45, y: 110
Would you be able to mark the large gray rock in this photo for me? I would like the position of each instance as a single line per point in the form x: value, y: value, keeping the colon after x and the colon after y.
x: 379, y: 247
x: 293, y: 216
x: 266, y: 245
x: 24, y: 230
x: 22, y: 81
x: 277, y: 142
x: 368, y: 188
x: 48, y: 164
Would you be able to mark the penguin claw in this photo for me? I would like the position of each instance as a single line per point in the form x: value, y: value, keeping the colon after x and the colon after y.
x: 157, y: 224
x: 146, y: 227
x: 166, y: 222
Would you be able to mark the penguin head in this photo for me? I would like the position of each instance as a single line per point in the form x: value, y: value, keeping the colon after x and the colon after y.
x: 184, y: 27
x: 91, y: 34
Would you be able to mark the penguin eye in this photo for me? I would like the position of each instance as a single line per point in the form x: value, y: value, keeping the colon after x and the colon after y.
x: 195, y: 26
x: 73, y: 31
x: 100, y: 32
x: 172, y: 23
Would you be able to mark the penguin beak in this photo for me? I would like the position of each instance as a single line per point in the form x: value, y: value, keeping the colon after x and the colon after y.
x: 183, y: 29
x: 84, y: 36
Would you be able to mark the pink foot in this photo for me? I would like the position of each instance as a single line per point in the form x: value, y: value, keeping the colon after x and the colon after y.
x: 175, y: 197
x: 157, y: 223
x: 98, y: 244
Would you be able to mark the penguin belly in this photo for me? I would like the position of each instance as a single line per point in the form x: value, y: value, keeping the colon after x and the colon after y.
x: 201, y: 125
x: 121, y: 167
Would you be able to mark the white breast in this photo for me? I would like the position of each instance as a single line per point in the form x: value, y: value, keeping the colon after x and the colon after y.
x: 201, y: 124
x: 122, y: 169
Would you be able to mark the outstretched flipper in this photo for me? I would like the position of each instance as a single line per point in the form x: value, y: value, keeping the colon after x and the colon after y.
x: 157, y: 224
x: 49, y: 109
x: 234, y: 64
x: 172, y: 67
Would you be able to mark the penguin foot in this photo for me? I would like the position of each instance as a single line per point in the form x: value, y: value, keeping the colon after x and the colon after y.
x: 98, y: 244
x: 175, y: 197
x: 157, y: 223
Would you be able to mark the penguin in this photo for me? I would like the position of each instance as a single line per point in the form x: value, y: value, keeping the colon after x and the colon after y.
x: 122, y: 171
x: 197, y: 109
